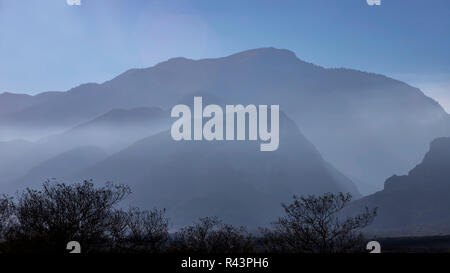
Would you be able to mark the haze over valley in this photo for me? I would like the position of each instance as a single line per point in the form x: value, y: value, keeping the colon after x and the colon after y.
x: 341, y: 130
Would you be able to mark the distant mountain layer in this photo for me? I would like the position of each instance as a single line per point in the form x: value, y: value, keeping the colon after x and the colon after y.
x: 110, y: 132
x: 62, y: 165
x: 114, y: 130
x: 12, y: 155
x: 12, y: 103
x: 230, y: 179
x: 140, y: 116
x: 367, y: 125
x: 417, y: 203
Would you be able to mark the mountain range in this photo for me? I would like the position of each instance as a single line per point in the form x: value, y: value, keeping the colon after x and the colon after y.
x: 233, y: 180
x: 368, y: 126
x: 108, y: 133
x: 341, y: 130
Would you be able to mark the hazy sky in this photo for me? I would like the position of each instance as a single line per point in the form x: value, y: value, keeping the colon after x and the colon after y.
x: 49, y: 45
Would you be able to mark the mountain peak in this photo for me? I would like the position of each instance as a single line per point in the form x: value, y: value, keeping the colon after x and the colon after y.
x: 264, y: 51
x: 176, y: 61
x: 9, y: 94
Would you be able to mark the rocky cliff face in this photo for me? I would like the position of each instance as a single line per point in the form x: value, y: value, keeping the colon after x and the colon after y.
x: 416, y: 203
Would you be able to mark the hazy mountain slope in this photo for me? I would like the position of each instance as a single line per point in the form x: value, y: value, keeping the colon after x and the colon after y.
x: 124, y: 117
x: 12, y: 152
x: 368, y: 126
x: 416, y: 203
x: 112, y: 131
x: 62, y: 165
x: 11, y: 103
x: 230, y: 179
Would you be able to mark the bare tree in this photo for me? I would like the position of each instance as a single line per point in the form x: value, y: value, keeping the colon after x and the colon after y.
x: 314, y: 224
x: 47, y: 219
x: 139, y: 230
x: 6, y: 208
x: 210, y: 235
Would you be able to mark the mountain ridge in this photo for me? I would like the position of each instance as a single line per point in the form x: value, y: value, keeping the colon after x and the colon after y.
x: 367, y: 125
x: 244, y: 185
x: 415, y: 203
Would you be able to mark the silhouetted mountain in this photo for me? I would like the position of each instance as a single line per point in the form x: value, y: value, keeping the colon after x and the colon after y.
x: 60, y: 166
x: 230, y: 179
x: 122, y: 117
x: 416, y: 203
x: 11, y: 103
x: 11, y: 106
x: 367, y: 125
x: 112, y: 131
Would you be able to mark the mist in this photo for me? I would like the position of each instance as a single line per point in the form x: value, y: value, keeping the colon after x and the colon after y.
x: 344, y: 130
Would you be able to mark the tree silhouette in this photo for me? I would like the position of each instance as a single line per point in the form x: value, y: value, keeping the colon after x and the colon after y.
x: 210, y: 235
x: 47, y: 219
x: 314, y: 224
x: 5, y: 215
x: 139, y: 230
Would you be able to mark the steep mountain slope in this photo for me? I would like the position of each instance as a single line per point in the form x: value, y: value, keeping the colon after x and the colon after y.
x: 230, y: 179
x: 416, y: 203
x: 368, y: 126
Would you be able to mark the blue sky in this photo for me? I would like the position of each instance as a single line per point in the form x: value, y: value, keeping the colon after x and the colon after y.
x: 49, y: 45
